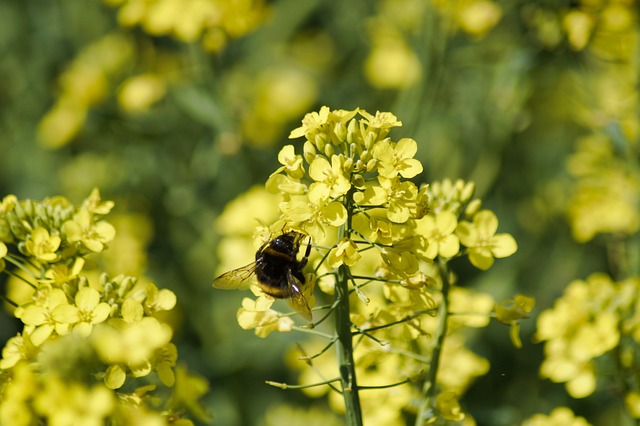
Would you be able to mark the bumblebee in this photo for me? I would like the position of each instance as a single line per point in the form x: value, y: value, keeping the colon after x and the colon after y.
x: 277, y: 270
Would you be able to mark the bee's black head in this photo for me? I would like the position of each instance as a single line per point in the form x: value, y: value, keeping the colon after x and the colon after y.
x: 285, y: 243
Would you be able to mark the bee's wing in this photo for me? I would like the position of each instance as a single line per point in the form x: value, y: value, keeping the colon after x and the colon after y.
x: 237, y: 279
x: 296, y: 299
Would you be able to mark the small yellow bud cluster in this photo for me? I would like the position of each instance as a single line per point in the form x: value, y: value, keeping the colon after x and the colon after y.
x: 81, y: 340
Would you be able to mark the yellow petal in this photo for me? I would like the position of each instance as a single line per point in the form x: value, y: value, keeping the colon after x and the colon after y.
x: 66, y: 313
x: 481, y: 259
x: 100, y: 313
x: 467, y: 233
x: 87, y: 299
x: 114, y: 377
x: 486, y: 223
x: 449, y: 246
x: 132, y: 311
x: 41, y: 334
x: 503, y: 245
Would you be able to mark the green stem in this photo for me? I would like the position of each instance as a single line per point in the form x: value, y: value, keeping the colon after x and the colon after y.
x: 429, y: 388
x: 345, y: 350
x: 344, y: 345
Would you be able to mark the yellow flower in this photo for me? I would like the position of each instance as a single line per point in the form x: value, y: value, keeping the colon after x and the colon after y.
x: 469, y: 308
x: 16, y: 349
x: 330, y: 179
x: 581, y: 326
x: 399, y: 198
x: 561, y: 416
x: 449, y: 407
x: 312, y: 123
x: 92, y: 235
x: 3, y: 253
x: 164, y: 362
x: 42, y: 245
x: 459, y: 366
x: 346, y: 251
x: 256, y: 314
x: 477, y: 17
x: 140, y: 92
x: 632, y: 404
x: 264, y: 321
x: 314, y: 213
x: 382, y: 120
x: 482, y: 242
x: 61, y: 273
x: 15, y: 406
x: 511, y: 311
x: 292, y: 164
x: 54, y: 314
x: 187, y: 392
x: 394, y: 159
x: 90, y: 310
x: 73, y: 403
x: 129, y: 346
x: 438, y: 229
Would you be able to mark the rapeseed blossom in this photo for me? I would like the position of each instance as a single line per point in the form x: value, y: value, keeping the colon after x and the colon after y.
x: 382, y: 244
x: 583, y: 328
x: 82, y: 339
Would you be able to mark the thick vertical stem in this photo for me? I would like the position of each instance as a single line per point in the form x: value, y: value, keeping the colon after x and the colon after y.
x: 429, y: 388
x: 345, y: 350
x: 344, y: 344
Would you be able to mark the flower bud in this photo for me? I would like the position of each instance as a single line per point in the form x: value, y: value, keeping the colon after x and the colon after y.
x: 357, y: 180
x: 472, y: 208
x: 347, y: 166
x: 365, y: 156
x: 370, y: 140
x: 309, y: 152
x: 467, y: 192
x: 352, y: 131
x: 320, y: 141
x: 340, y: 130
x: 329, y: 150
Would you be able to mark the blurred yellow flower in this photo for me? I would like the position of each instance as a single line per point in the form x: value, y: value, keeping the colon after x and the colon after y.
x: 477, y: 17
x: 581, y: 326
x: 449, y: 407
x: 255, y: 314
x: 561, y: 416
x: 73, y: 403
x: 578, y: 26
x: 140, y: 92
x: 392, y: 64
x: 469, y: 308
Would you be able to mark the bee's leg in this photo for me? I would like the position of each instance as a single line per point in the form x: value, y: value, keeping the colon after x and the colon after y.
x: 307, y: 253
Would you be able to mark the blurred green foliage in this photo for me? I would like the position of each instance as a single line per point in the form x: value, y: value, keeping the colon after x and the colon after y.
x: 173, y: 111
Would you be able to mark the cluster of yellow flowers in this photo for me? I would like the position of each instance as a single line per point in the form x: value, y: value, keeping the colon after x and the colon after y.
x: 82, y: 340
x: 84, y: 84
x: 605, y: 27
x: 212, y: 21
x: 388, y: 242
x: 592, y: 330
